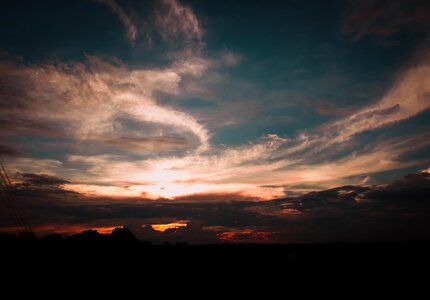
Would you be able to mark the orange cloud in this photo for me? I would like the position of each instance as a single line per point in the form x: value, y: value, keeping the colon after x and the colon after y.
x: 247, y: 236
x: 164, y: 227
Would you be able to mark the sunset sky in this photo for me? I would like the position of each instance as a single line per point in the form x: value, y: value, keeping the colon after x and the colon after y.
x: 214, y: 120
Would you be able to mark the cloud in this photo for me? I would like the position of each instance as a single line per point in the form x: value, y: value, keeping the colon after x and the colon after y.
x: 328, y: 108
x: 409, y: 96
x: 353, y: 213
x: 155, y: 143
x: 381, y: 156
x: 173, y: 156
x: 7, y: 150
x: 49, y: 167
x: 194, y: 66
x: 30, y: 188
x: 229, y: 58
x: 384, y: 19
x: 137, y: 145
x: 40, y: 179
x: 215, y: 197
x: 175, y: 19
x: 193, y: 233
x: 125, y: 18
x: 395, y: 212
x: 50, y: 97
x: 247, y: 236
x: 227, y: 170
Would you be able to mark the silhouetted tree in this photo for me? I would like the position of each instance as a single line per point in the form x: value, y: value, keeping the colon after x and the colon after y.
x: 88, y: 236
x: 7, y: 238
x: 123, y: 234
x: 146, y: 243
x: 51, y: 238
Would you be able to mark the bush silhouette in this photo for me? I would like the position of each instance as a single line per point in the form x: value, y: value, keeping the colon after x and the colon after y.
x: 92, y: 236
x: 123, y: 234
x: 51, y: 238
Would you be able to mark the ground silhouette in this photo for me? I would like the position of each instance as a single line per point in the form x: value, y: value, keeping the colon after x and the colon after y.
x: 123, y: 241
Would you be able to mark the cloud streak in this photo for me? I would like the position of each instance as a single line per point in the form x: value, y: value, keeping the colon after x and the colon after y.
x: 129, y: 25
x: 175, y: 19
x: 384, y: 19
x: 409, y: 96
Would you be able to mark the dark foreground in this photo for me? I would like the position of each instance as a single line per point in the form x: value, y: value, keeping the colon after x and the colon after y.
x: 254, y: 263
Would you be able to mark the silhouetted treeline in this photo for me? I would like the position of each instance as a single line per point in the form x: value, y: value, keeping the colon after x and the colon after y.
x: 119, y: 254
x: 264, y: 254
x: 120, y: 235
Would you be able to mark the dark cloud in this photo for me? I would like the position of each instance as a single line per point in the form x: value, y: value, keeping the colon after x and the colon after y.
x: 9, y: 151
x: 12, y: 125
x: 42, y: 189
x: 40, y: 179
x: 411, y: 192
x: 383, y: 19
x: 193, y: 233
x: 16, y: 115
x: 215, y: 197
x: 154, y: 143
x: 396, y: 212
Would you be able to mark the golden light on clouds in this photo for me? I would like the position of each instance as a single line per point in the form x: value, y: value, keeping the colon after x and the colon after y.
x: 164, y: 227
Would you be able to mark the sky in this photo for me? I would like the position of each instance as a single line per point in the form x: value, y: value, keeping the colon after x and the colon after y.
x: 219, y: 121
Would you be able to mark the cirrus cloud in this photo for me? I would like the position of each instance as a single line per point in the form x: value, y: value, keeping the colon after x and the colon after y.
x: 86, y: 101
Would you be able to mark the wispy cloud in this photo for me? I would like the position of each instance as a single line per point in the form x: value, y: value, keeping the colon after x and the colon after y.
x: 142, y: 147
x: 224, y: 171
x: 175, y: 22
x: 175, y: 19
x: 125, y: 18
x: 328, y: 108
x: 408, y: 97
x: 150, y: 144
x: 263, y: 169
x: 106, y: 94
